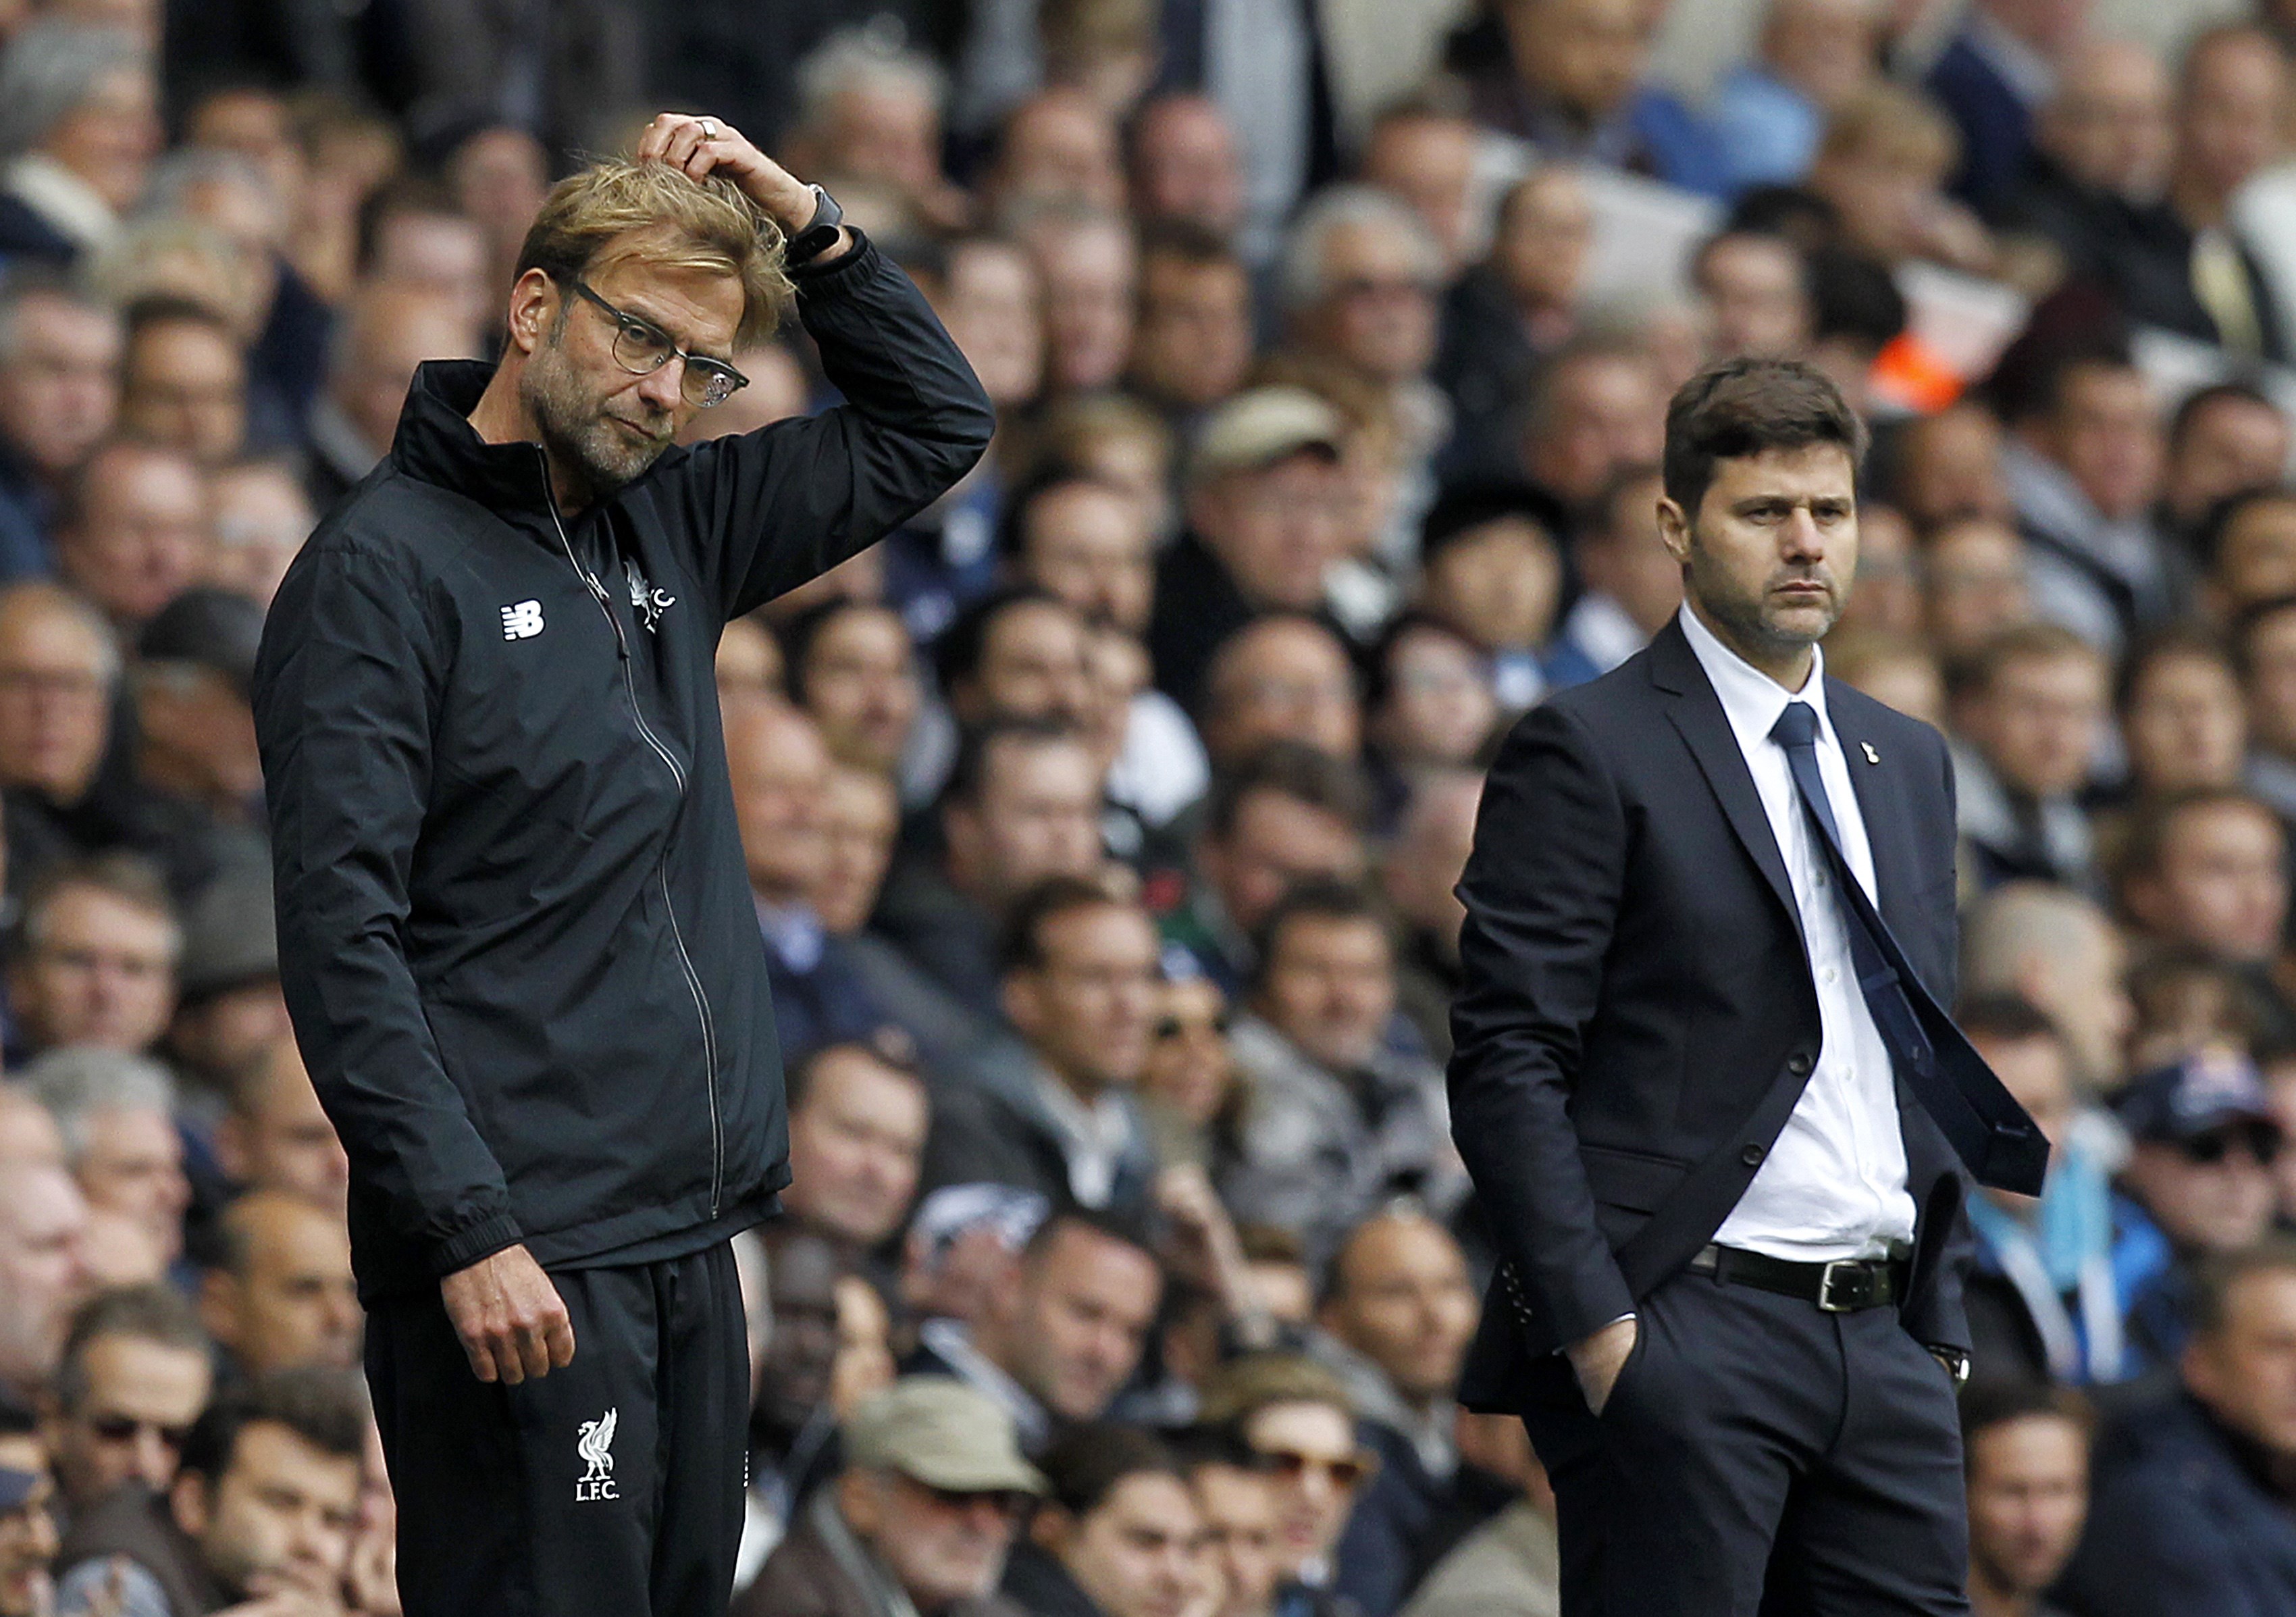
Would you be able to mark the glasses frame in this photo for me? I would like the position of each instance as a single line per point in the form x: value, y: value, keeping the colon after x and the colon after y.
x: 637, y: 328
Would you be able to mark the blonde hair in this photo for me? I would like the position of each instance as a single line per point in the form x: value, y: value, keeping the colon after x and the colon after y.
x: 619, y: 207
x: 1885, y: 123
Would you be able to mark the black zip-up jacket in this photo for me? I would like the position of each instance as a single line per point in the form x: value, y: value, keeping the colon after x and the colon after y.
x: 515, y: 929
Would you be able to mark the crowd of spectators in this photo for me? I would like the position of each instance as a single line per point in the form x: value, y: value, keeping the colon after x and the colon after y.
x: 1103, y: 822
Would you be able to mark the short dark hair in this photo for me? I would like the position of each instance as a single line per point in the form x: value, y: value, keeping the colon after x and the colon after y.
x: 131, y: 878
x: 168, y: 308
x: 1087, y: 1463
x: 1749, y: 407
x: 1013, y: 530
x: 1999, y: 1401
x: 1852, y: 298
x: 1021, y: 946
x: 798, y: 635
x: 1377, y: 667
x: 324, y: 1406
x: 2209, y: 540
x: 2251, y: 622
x: 1194, y: 244
x: 2152, y: 823
x: 2027, y: 643
x: 2170, y: 642
x: 963, y: 644
x: 1291, y: 769
x: 1314, y: 899
x: 1108, y: 1223
x: 153, y: 1313
x: 2201, y: 400
x: 2011, y: 1018
x: 980, y: 743
x: 2220, y: 1276
x: 888, y: 1047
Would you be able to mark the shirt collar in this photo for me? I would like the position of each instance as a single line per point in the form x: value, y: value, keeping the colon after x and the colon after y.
x: 1751, y: 699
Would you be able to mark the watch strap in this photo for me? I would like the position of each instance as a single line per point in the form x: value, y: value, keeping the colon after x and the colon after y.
x: 820, y: 232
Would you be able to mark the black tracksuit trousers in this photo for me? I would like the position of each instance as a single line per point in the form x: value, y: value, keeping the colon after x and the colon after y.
x: 611, y: 1486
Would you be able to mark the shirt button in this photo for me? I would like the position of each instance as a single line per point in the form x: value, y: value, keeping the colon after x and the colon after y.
x: 1798, y: 1064
x: 1751, y: 1156
x: 1827, y: 975
x: 1821, y: 878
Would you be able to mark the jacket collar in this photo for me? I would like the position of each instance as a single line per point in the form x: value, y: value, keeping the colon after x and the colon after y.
x: 436, y: 443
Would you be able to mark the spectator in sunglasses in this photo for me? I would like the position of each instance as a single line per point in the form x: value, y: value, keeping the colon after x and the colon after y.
x: 920, y: 1519
x: 1189, y: 1090
x: 2203, y: 1139
x: 1293, y: 1416
x: 135, y: 1375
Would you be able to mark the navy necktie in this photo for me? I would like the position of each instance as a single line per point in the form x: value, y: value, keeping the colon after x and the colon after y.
x: 1889, y: 985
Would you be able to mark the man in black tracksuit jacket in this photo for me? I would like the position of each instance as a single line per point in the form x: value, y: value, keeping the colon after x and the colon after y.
x: 515, y: 930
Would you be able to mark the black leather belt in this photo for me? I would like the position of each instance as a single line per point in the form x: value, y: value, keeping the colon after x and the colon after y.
x: 1842, y: 1287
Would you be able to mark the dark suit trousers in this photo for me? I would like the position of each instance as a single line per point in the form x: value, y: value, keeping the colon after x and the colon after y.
x: 1757, y: 1456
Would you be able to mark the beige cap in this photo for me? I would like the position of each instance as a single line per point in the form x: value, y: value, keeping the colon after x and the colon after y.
x: 936, y: 1431
x: 1261, y: 426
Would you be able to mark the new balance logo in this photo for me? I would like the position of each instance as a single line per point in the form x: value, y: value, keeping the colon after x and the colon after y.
x: 595, y: 1445
x: 523, y: 621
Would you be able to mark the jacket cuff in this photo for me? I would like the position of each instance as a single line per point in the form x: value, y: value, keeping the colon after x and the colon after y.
x: 826, y: 275
x: 483, y: 1239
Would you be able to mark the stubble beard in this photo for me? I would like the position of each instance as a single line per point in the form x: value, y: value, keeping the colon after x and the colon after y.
x: 1750, y: 623
x: 598, y: 459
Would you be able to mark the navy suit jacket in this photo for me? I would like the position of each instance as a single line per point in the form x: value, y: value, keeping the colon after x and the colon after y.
x: 1996, y: 127
x: 1637, y: 1018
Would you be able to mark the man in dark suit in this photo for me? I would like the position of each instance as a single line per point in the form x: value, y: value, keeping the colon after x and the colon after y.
x: 1702, y: 1081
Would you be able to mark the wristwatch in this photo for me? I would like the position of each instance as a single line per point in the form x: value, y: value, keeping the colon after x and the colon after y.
x: 1955, y: 1362
x: 820, y: 232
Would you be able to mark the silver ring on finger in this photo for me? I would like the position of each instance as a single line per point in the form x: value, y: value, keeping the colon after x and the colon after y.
x: 709, y: 129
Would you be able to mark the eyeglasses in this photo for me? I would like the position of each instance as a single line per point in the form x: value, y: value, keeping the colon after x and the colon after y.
x: 2209, y: 1150
x: 1009, y: 1502
x: 1345, y: 1471
x: 642, y: 347
x: 126, y: 1428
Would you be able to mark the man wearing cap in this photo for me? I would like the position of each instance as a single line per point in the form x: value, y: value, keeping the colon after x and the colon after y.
x: 2197, y: 1184
x: 1264, y: 511
x: 920, y: 1521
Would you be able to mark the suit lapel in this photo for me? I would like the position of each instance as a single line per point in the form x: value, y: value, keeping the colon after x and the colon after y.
x: 1696, y: 714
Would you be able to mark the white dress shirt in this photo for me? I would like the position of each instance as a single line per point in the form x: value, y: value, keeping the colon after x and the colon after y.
x: 1833, y: 1184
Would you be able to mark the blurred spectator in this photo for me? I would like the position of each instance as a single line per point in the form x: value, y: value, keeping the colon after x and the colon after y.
x: 195, y: 662
x: 1429, y: 705
x: 260, y: 517
x: 412, y: 233
x: 1511, y: 1565
x: 96, y: 957
x: 1238, y: 1506
x: 1491, y: 567
x: 2185, y: 269
x: 1419, y: 875
x: 2223, y: 439
x: 2053, y: 1273
x: 1287, y: 816
x: 2189, y: 1513
x: 988, y: 292
x: 27, y: 1129
x: 1016, y: 655
x: 229, y: 1010
x: 1888, y: 600
x: 960, y: 1244
x: 1756, y: 290
x: 2249, y: 546
x: 1056, y: 149
x: 1089, y: 267
x: 1633, y: 584
x: 384, y: 332
x: 42, y: 1273
x: 2031, y: 714
x: 28, y: 1521
x: 857, y: 1126
x: 276, y: 1138
x: 1078, y: 985
x: 59, y: 397
x: 853, y: 670
x: 133, y: 1378
x: 870, y: 110
x: 1192, y: 341
x: 1514, y: 309
x: 1568, y: 77
x: 1023, y: 804
x: 265, y: 1504
x: 1769, y: 114
x: 2100, y: 157
x: 116, y: 1114
x: 2182, y: 720
x: 1084, y: 540
x: 1974, y: 586
x: 1264, y: 529
x: 1294, y: 1417
x: 281, y: 1294
x: 1883, y: 163
x: 1118, y: 1534
x: 2203, y: 1137
x: 134, y: 534
x: 1189, y: 1089
x: 791, y: 1420
x: 1400, y: 1311
x: 1949, y: 467
x: 1186, y: 166
x: 778, y: 768
x: 1060, y: 1332
x: 2056, y: 950
x: 920, y: 1519
x: 1340, y: 1118
x: 183, y: 380
x: 1894, y: 670
x: 1993, y: 77
x: 1596, y: 408
x: 1421, y: 151
x: 2264, y: 646
x: 2207, y: 869
x: 81, y: 128
x: 2026, y: 1452
x: 1360, y: 283
x: 1282, y: 676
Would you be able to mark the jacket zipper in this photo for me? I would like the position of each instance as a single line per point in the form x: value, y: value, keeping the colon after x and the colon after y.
x: 661, y: 872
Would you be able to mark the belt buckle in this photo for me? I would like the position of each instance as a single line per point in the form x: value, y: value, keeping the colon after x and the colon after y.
x: 1854, y: 1278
